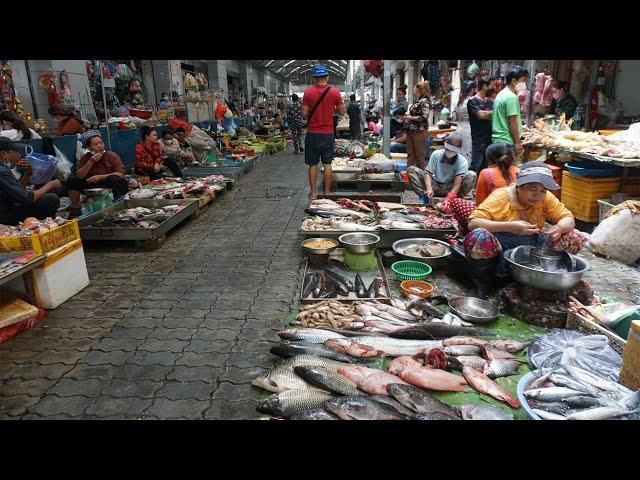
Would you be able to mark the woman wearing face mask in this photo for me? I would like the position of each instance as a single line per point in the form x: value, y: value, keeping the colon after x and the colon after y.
x: 97, y: 169
x: 149, y: 157
x: 16, y: 202
x: 14, y: 128
x: 515, y: 216
x: 400, y: 101
x: 462, y: 115
x: 68, y: 122
x: 564, y: 101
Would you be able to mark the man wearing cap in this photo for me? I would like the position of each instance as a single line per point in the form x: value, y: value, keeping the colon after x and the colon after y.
x: 16, y: 202
x: 447, y: 173
x: 96, y: 169
x: 319, y: 103
x: 506, y: 122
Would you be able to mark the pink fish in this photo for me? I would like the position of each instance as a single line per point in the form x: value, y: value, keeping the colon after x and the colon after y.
x: 368, y: 379
x: 414, y: 373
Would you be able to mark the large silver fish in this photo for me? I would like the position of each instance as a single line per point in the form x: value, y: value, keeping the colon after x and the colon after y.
x: 318, y: 413
x: 598, y: 413
x: 501, y: 368
x: 289, y: 403
x: 362, y: 408
x: 280, y: 380
x: 291, y: 349
x: 396, y: 347
x: 560, y: 380
x: 327, y: 380
x: 545, y: 415
x: 311, y: 335
x: 467, y: 361
x: 552, y: 394
x: 312, y: 361
x: 462, y: 350
x: 420, y: 401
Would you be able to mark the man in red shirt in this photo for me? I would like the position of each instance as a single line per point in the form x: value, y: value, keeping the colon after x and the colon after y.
x: 319, y: 104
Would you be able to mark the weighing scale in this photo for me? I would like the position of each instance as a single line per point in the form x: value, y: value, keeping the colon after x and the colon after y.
x: 360, y: 262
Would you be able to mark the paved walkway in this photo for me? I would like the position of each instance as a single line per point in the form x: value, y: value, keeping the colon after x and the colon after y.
x: 181, y: 331
x: 174, y: 333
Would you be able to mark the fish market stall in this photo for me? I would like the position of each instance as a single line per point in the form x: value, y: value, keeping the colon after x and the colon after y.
x: 203, y: 189
x: 148, y: 220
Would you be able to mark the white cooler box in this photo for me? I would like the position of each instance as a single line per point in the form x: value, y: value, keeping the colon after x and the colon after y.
x: 60, y: 277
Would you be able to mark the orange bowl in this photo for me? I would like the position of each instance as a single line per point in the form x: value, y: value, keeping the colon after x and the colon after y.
x: 416, y: 287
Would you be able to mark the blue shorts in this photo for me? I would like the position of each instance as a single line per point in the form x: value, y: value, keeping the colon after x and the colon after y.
x: 318, y: 146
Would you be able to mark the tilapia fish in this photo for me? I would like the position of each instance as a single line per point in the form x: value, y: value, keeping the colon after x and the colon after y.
x: 492, y: 353
x: 511, y: 346
x: 368, y: 379
x: 483, y: 384
x: 311, y: 361
x: 280, y: 380
x: 435, y: 330
x: 467, y: 361
x: 501, y: 368
x: 462, y: 350
x: 291, y: 349
x: 311, y: 335
x: 327, y: 380
x: 289, y: 403
x: 362, y: 408
x: 420, y: 401
x: 414, y: 373
x: 318, y: 413
x: 484, y: 412
x: 391, y: 346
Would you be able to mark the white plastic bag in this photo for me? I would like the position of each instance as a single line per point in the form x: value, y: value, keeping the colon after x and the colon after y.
x: 63, y: 168
x: 617, y: 237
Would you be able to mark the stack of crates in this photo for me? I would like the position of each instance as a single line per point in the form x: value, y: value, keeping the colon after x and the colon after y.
x: 581, y: 194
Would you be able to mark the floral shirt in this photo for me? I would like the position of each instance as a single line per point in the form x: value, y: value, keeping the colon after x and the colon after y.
x: 147, y: 157
x: 420, y: 109
x: 293, y: 116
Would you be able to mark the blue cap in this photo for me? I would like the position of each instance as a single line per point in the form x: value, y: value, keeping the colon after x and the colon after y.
x: 319, y: 70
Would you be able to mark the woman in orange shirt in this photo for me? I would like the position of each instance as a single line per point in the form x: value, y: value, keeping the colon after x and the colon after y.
x: 500, y: 173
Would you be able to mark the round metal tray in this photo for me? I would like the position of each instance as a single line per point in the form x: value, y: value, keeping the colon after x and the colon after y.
x: 485, y: 311
x: 441, y: 261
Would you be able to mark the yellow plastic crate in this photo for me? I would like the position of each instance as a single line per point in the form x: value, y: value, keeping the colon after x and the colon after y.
x: 42, y: 242
x: 581, y: 194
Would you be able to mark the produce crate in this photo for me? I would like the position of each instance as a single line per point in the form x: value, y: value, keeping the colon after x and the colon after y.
x: 581, y: 194
x: 606, y: 205
x: 42, y: 242
x: 576, y: 321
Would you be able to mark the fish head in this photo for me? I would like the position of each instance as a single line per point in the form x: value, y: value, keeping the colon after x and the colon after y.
x: 345, y: 408
x: 271, y: 406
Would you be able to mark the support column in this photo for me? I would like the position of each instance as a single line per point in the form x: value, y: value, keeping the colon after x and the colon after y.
x: 410, y: 81
x: 386, y: 124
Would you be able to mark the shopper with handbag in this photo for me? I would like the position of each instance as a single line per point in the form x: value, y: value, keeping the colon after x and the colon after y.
x: 319, y: 104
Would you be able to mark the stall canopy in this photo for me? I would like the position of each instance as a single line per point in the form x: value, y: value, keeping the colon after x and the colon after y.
x: 297, y: 71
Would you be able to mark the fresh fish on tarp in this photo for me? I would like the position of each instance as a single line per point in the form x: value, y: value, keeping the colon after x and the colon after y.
x: 312, y: 361
x: 450, y: 342
x: 545, y: 415
x: 423, y: 306
x: 467, y: 361
x: 310, y: 284
x: 387, y: 400
x: 492, y: 353
x: 311, y: 335
x: 598, y: 382
x: 599, y: 413
x: 462, y: 350
x: 560, y: 380
x: 511, y: 346
x: 348, y: 283
x: 327, y: 380
x: 362, y: 408
x: 434, y: 330
x: 280, y: 380
x: 431, y: 416
x: 369, y: 380
x: 501, y: 368
x: 391, y: 347
x: 352, y: 333
x: 289, y: 349
x: 552, y: 394
x: 399, y: 225
x: 484, y: 412
x: 394, y: 311
x: 318, y: 413
x: 353, y: 347
x: 360, y: 289
x: 483, y: 384
x: 374, y: 289
x: 398, y: 304
x: 413, y: 372
x: 418, y: 400
x: 451, y: 319
x: 289, y: 403
x: 585, y: 401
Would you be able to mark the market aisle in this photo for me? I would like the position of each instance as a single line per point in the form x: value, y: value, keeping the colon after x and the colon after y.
x: 175, y: 333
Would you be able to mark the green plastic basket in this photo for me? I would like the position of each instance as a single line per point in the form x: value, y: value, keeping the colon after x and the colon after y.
x: 411, y: 270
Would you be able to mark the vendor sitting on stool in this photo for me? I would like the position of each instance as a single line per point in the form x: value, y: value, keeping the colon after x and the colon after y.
x: 16, y: 202
x: 149, y: 161
x: 447, y: 173
x: 96, y: 169
x: 514, y: 216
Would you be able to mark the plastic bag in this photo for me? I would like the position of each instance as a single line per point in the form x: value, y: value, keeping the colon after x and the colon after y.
x: 43, y: 167
x: 617, y: 237
x: 570, y: 347
x: 63, y: 169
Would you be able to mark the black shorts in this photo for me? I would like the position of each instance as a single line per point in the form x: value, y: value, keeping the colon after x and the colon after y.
x: 318, y: 146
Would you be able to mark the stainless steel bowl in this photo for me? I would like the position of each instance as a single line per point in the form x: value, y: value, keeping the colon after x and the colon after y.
x: 400, y: 245
x: 546, y: 259
x: 321, y: 251
x: 474, y: 310
x: 360, y: 242
x: 543, y: 280
x: 97, y: 192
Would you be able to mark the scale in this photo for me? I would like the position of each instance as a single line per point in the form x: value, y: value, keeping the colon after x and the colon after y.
x: 360, y: 262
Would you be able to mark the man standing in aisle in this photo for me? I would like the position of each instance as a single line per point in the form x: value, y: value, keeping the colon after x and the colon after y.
x: 506, y: 121
x: 319, y: 104
x: 353, y: 110
x: 479, y: 107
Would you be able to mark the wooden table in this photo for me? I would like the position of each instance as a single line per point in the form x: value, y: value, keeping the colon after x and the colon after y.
x: 25, y: 272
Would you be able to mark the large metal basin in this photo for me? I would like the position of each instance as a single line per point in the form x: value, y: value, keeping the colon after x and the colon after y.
x: 542, y: 279
x: 433, y: 262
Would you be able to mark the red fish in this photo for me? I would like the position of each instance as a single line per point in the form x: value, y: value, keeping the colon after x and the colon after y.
x: 483, y: 384
x: 414, y: 373
x: 368, y: 379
